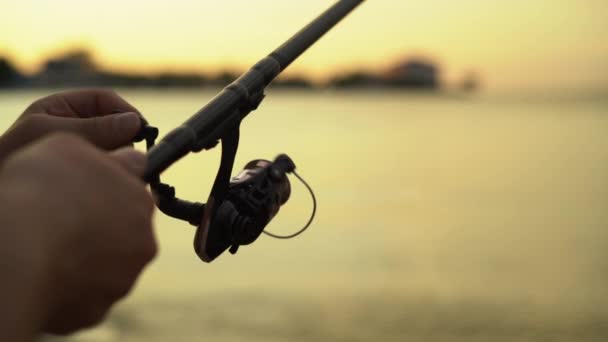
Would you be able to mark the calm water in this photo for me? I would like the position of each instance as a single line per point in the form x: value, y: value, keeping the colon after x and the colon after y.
x: 441, y: 219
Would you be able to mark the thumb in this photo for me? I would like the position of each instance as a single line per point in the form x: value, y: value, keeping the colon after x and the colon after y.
x: 107, y: 132
x: 131, y: 160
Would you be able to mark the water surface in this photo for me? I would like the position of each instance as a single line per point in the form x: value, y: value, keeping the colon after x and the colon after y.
x: 441, y: 218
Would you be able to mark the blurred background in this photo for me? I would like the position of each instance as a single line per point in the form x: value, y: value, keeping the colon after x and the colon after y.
x: 458, y: 150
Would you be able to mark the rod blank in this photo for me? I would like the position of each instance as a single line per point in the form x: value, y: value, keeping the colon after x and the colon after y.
x: 301, y: 41
x: 242, y: 96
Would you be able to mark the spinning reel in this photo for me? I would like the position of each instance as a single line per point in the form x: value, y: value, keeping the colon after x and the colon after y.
x: 238, y: 208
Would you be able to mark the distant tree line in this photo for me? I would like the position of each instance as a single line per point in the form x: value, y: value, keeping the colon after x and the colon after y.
x: 77, y: 69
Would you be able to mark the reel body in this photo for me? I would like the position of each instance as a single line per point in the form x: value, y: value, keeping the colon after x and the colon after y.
x: 254, y: 197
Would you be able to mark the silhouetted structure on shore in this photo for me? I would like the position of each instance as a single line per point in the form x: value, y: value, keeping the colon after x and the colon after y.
x: 73, y: 69
x: 414, y: 74
x: 77, y: 69
x: 410, y: 74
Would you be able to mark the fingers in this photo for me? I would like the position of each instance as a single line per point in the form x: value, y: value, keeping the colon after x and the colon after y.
x: 81, y: 103
x: 133, y: 161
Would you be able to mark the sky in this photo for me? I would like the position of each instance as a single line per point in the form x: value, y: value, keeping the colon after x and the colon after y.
x: 511, y: 44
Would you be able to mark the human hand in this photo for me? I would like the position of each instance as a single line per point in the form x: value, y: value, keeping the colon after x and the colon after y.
x: 87, y: 113
x: 75, y: 231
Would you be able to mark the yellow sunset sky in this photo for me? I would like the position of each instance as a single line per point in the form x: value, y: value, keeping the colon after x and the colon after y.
x: 536, y: 44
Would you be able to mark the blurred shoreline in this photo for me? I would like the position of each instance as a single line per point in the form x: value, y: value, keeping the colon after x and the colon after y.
x: 78, y: 69
x: 496, y: 96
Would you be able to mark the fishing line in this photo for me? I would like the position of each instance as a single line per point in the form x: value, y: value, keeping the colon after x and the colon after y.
x: 312, y: 216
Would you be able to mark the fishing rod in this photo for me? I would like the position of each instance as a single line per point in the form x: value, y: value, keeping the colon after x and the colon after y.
x: 238, y: 209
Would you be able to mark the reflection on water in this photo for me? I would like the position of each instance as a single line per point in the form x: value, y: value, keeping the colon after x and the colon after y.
x: 440, y: 219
